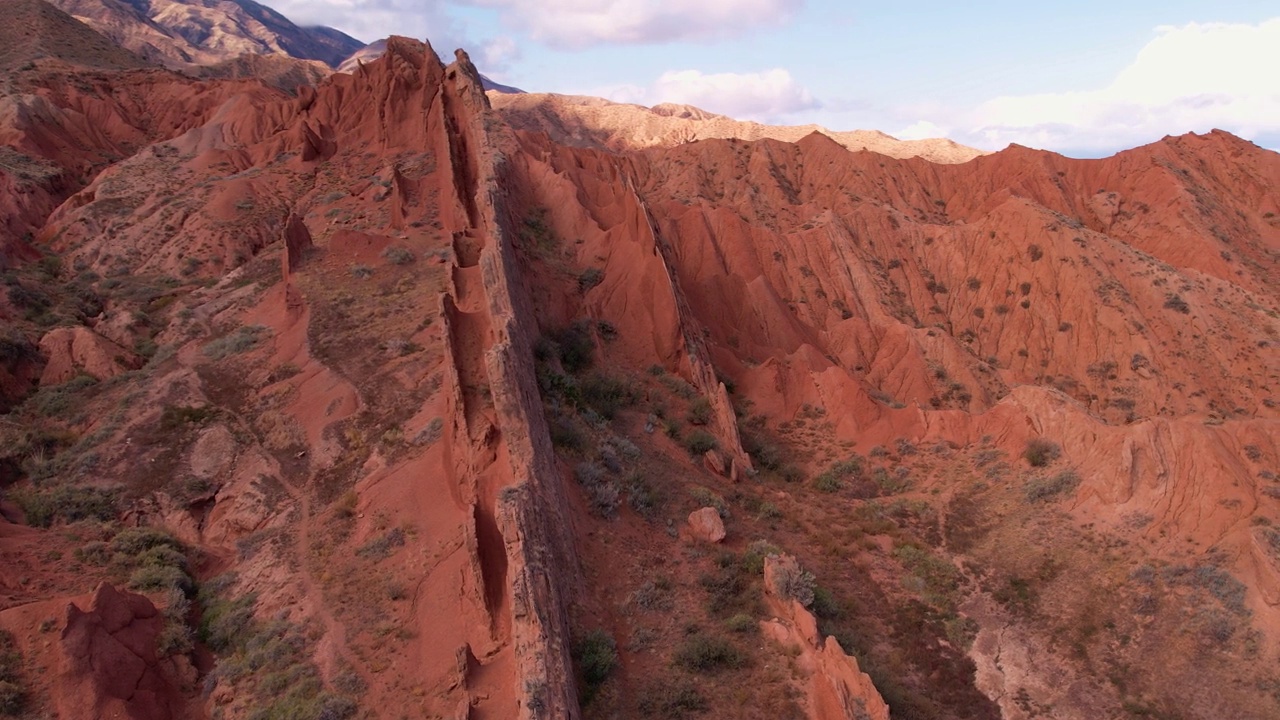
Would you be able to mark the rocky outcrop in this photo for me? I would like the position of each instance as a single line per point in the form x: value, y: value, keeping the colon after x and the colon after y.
x: 109, y: 662
x: 835, y: 688
x: 76, y: 350
x: 597, y: 123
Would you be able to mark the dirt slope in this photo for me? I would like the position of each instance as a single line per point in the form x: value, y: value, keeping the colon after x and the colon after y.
x: 393, y: 405
x: 35, y: 30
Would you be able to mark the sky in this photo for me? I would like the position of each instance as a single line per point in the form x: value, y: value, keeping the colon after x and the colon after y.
x: 1085, y: 78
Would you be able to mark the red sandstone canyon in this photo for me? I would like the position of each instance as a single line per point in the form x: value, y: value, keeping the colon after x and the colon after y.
x: 370, y: 394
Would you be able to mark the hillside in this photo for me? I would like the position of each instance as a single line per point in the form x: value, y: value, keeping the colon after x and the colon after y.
x: 381, y: 398
x: 182, y: 33
x: 596, y: 123
x: 34, y: 30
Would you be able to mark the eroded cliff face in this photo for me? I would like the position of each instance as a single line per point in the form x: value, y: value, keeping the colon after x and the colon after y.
x: 419, y: 402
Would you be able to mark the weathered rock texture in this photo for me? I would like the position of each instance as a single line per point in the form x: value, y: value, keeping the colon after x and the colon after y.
x: 836, y: 688
x: 109, y: 664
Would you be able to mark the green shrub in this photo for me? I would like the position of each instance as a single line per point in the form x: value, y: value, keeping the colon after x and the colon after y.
x: 576, y: 346
x: 382, y: 546
x: 1041, y: 452
x: 176, y: 417
x: 671, y: 699
x: 225, y: 624
x: 834, y: 477
x: 708, y: 654
x: 156, y: 578
x: 66, y: 503
x: 12, y: 698
x: 56, y: 400
x: 827, y: 483
x: 642, y: 496
x: 12, y: 693
x: 1046, y: 488
x: 565, y: 434
x: 1177, y: 304
x: 794, y: 582
x: 94, y: 552
x: 825, y: 605
x: 699, y: 442
x: 239, y: 341
x: 590, y: 278
x: 595, y: 655
x: 137, y: 540
x: 607, y: 394
x: 757, y: 551
x: 399, y: 255
x: 742, y: 624
x: 174, y: 639
x: 699, y: 412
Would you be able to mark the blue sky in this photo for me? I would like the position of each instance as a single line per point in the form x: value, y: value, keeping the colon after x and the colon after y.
x: 1085, y: 78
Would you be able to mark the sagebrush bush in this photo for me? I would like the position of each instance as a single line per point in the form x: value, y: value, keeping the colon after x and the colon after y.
x: 1041, y: 452
x: 793, y: 582
x: 672, y: 699
x: 699, y: 412
x: 596, y: 655
x: 699, y: 442
x: 239, y: 341
x: 1044, y: 488
x: 67, y: 503
x: 590, y: 278
x: 399, y: 255
x: 12, y: 692
x: 708, y: 654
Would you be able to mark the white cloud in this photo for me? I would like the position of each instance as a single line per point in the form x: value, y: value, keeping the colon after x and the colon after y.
x: 497, y: 55
x: 764, y: 96
x: 575, y: 24
x: 922, y: 130
x: 1191, y: 78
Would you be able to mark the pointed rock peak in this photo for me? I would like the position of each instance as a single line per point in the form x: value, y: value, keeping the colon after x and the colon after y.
x: 417, y: 53
x: 820, y: 141
x: 464, y: 72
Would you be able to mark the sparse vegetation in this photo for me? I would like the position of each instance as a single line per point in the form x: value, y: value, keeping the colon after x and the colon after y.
x: 271, y: 661
x: 1041, y: 451
x: 792, y: 581
x: 708, y: 654
x: 240, y: 340
x: 671, y: 699
x: 1175, y: 302
x: 397, y: 255
x: 44, y: 506
x: 589, y: 278
x: 13, y: 694
x: 699, y: 442
x: 595, y: 655
x: 1046, y: 488
x: 699, y: 412
x: 602, y: 491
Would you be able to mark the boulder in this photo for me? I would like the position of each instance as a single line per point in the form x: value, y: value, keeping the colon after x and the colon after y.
x: 705, y: 525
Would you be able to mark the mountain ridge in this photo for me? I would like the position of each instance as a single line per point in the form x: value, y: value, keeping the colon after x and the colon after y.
x: 375, y: 401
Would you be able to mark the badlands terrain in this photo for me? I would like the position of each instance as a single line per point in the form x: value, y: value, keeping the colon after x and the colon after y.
x: 368, y: 394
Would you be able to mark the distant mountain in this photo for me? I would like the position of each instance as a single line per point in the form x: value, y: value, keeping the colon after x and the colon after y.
x: 35, y: 30
x: 595, y: 122
x: 375, y: 49
x: 182, y: 33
